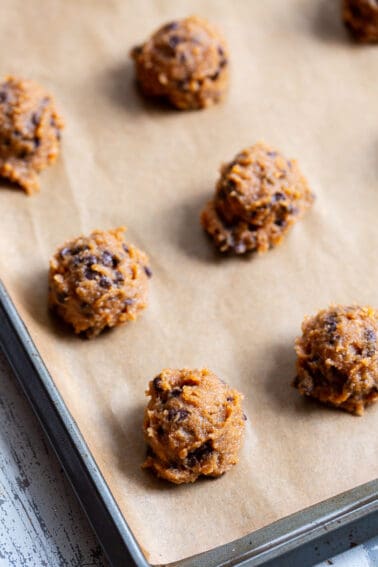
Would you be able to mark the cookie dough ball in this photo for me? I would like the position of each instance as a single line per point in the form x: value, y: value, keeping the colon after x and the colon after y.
x: 193, y: 425
x: 98, y: 281
x: 338, y: 357
x: 30, y: 130
x: 185, y: 62
x: 259, y: 195
x: 361, y: 18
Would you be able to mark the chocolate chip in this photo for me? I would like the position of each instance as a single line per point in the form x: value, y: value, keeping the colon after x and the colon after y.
x: 272, y: 154
x: 280, y: 222
x: 215, y: 76
x: 35, y: 118
x: 86, y: 307
x: 371, y: 338
x: 129, y: 301
x: 90, y: 260
x: 278, y: 197
x: 244, y: 417
x: 183, y: 85
x: 37, y: 141
x: 230, y: 399
x: 119, y: 279
x: 175, y: 392
x: 126, y: 249
x: 171, y: 26
x: 22, y: 154
x: 65, y: 251
x: 89, y: 274
x: 223, y: 63
x: 3, y: 96
x: 220, y: 50
x: 61, y: 297
x: 78, y: 249
x: 105, y: 282
x: 148, y: 271
x: 107, y: 258
x: 330, y: 323
x: 156, y: 382
x: 174, y: 40
x: 240, y: 248
x: 160, y: 431
x: 199, y: 454
x: 177, y: 414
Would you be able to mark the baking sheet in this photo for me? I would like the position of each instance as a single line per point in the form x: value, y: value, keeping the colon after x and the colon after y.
x: 298, y: 83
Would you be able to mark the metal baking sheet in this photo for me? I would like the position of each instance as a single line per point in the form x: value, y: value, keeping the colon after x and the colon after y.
x: 298, y: 540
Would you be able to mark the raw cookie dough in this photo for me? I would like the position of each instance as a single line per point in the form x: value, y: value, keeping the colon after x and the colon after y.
x: 193, y: 425
x: 185, y: 62
x: 98, y: 281
x: 361, y: 18
x: 259, y: 195
x: 338, y: 357
x: 30, y: 130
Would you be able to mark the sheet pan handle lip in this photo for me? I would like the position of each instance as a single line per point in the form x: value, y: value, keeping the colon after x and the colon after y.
x: 96, y: 499
x: 85, y: 477
x: 304, y: 528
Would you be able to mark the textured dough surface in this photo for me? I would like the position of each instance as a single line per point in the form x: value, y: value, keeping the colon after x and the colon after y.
x: 193, y: 425
x: 259, y: 196
x: 185, y: 62
x: 98, y: 281
x: 30, y: 130
x: 361, y: 18
x: 338, y: 357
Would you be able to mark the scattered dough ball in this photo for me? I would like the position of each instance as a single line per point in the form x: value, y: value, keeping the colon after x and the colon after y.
x: 361, y: 18
x: 98, y: 281
x: 259, y: 195
x: 185, y: 62
x: 193, y: 425
x: 30, y: 130
x: 338, y: 357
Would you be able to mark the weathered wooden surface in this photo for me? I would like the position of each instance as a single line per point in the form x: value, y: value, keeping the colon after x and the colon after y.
x: 41, y: 523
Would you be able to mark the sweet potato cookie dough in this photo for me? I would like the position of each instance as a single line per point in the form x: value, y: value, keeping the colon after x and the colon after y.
x: 30, y: 130
x: 185, y: 62
x: 98, y: 281
x: 361, y: 19
x: 260, y: 194
x: 193, y: 425
x: 338, y: 357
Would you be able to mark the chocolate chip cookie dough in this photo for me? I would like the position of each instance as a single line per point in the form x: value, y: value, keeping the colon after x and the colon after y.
x: 98, y: 281
x: 260, y: 194
x: 185, y: 62
x: 338, y: 357
x: 193, y: 425
x: 30, y: 130
x: 361, y: 18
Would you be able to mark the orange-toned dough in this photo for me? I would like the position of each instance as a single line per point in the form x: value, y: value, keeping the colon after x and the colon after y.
x: 193, y: 425
x: 98, y: 281
x: 260, y: 194
x: 361, y: 18
x: 338, y: 357
x: 185, y: 62
x: 30, y: 130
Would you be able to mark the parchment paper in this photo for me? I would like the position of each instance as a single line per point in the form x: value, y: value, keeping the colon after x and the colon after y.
x: 299, y: 84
